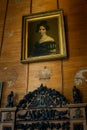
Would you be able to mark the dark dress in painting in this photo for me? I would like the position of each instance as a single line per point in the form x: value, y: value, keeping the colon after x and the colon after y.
x: 45, y: 48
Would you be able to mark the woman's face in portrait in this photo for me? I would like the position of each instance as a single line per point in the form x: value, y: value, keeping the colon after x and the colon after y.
x: 42, y: 30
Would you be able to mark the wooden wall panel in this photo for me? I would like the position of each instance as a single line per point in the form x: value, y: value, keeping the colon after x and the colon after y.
x: 17, y: 73
x: 34, y: 68
x: 43, y: 5
x: 75, y: 12
x: 3, y: 5
x: 11, y: 49
x: 54, y: 82
x: 13, y: 29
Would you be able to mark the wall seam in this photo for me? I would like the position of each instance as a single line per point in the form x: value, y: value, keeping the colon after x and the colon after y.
x: 57, y: 4
x: 3, y: 31
x: 27, y: 77
x: 28, y: 63
x: 62, y: 78
x: 30, y: 6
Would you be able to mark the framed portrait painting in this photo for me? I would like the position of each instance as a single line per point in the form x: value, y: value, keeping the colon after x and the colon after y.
x: 43, y: 37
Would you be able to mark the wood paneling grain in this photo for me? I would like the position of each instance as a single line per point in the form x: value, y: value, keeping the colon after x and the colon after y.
x: 75, y: 12
x: 3, y: 5
x: 34, y: 68
x: 7, y: 70
x: 11, y: 49
x: 54, y: 82
x: 43, y: 5
x: 13, y: 30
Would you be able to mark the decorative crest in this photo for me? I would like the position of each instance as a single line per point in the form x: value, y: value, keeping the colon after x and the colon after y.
x: 43, y: 97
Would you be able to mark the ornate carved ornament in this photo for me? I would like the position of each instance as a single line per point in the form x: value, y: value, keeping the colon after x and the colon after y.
x: 79, y: 77
x: 42, y: 97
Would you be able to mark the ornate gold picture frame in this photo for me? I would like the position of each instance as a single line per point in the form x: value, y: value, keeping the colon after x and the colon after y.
x: 43, y: 37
